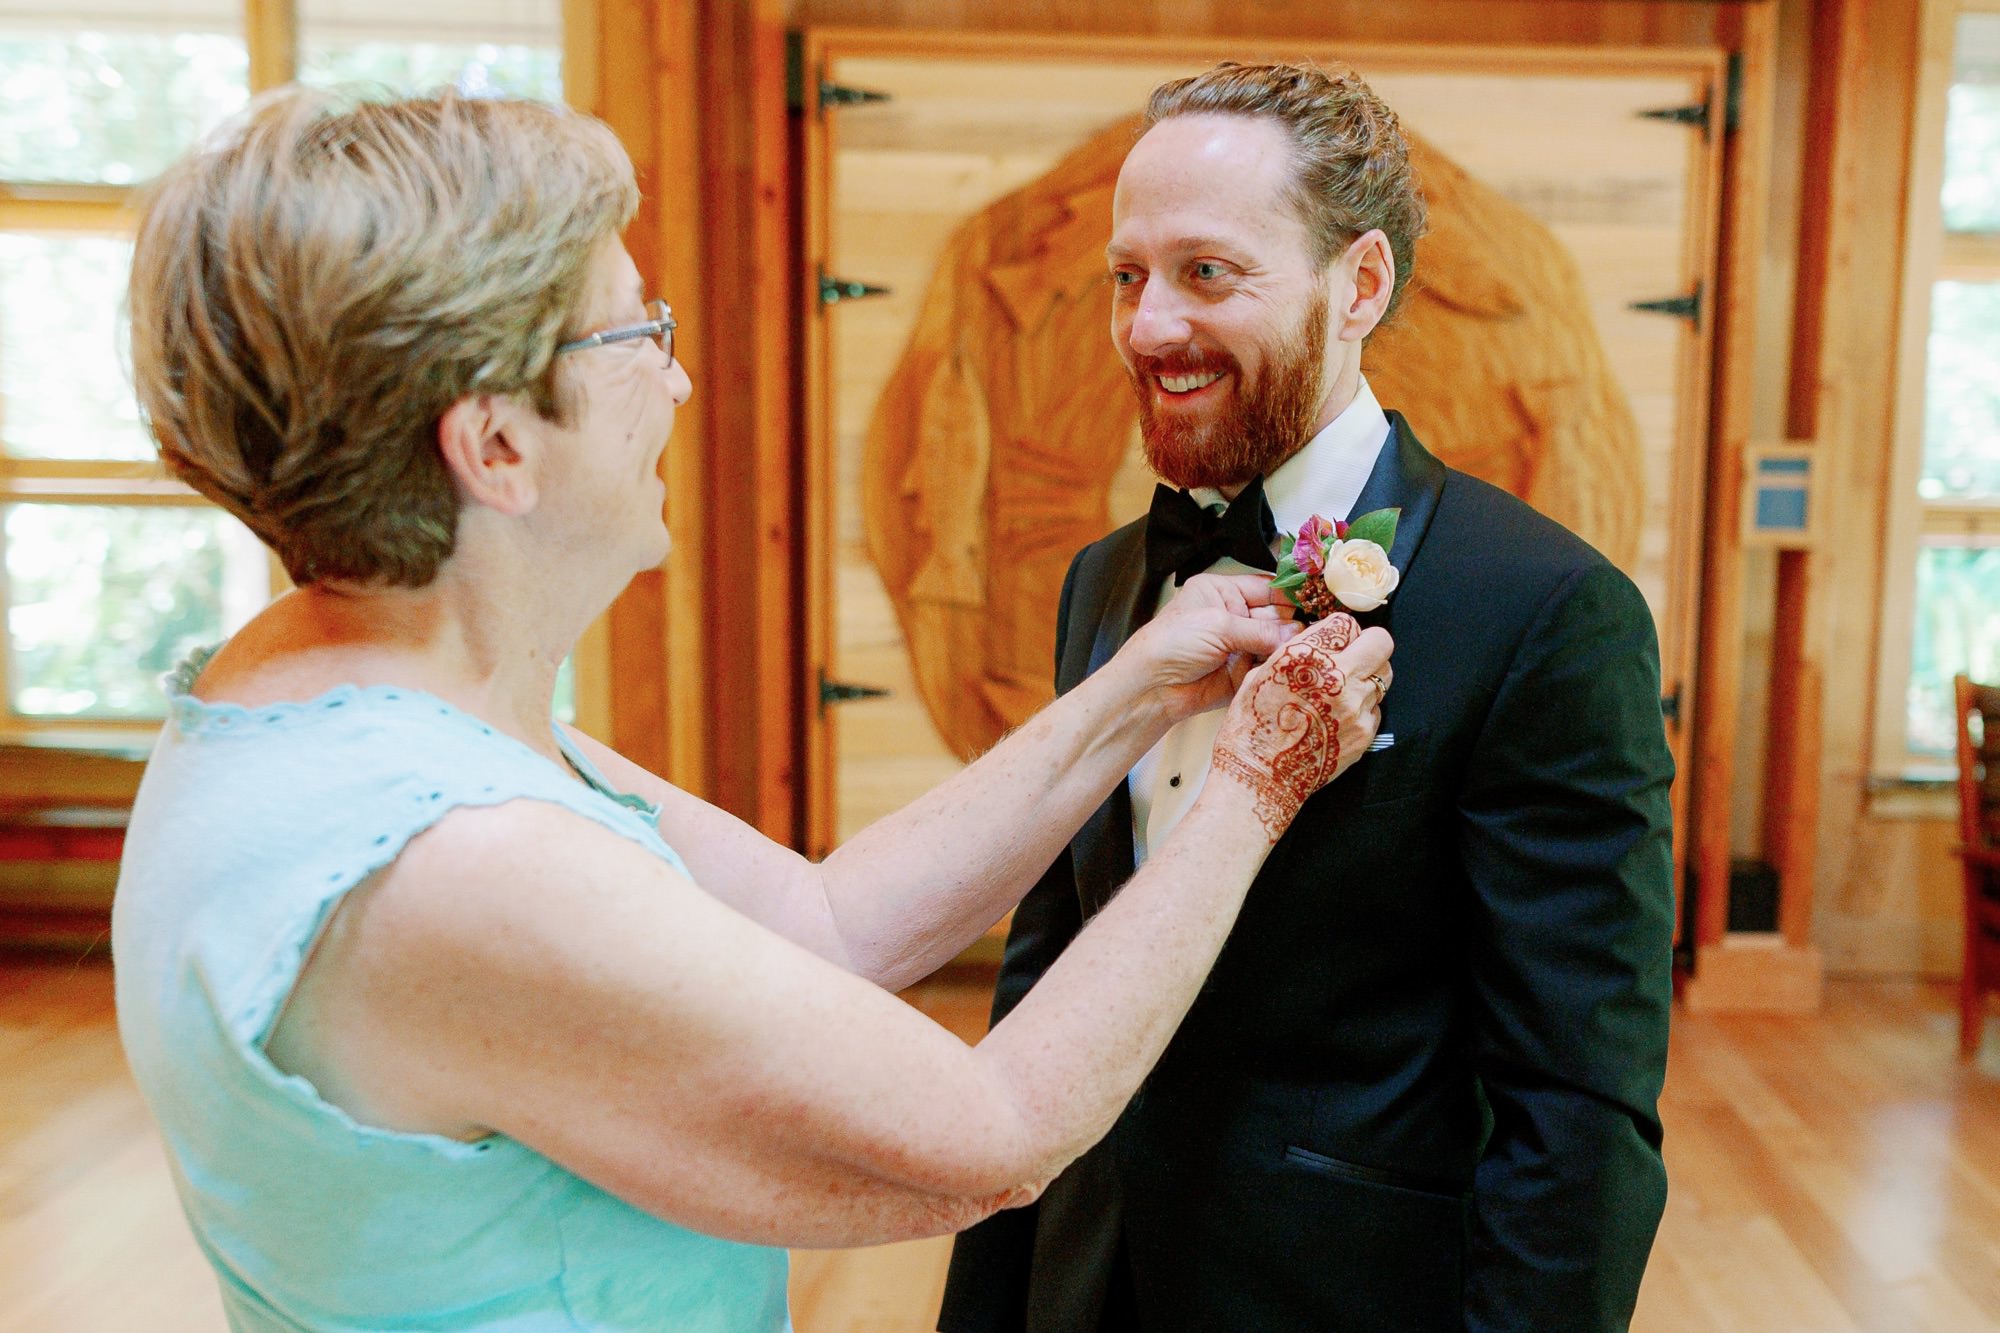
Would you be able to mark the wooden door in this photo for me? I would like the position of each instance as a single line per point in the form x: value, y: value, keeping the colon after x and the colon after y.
x: 931, y: 194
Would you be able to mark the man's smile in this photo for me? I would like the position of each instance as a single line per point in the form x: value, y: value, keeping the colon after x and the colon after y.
x: 1180, y: 386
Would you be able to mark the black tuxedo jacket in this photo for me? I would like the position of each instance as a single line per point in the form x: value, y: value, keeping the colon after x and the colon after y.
x: 1419, y: 1089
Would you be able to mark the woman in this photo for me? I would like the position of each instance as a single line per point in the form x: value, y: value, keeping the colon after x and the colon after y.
x: 451, y: 1017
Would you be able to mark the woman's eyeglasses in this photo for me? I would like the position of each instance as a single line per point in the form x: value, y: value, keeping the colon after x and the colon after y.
x: 660, y: 328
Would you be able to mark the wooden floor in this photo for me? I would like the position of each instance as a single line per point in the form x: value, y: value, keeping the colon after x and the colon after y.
x: 1834, y: 1173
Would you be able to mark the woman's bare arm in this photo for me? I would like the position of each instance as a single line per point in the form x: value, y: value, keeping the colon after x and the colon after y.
x: 907, y: 893
x: 521, y: 970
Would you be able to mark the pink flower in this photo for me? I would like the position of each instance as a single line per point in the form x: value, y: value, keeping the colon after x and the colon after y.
x: 1309, y: 552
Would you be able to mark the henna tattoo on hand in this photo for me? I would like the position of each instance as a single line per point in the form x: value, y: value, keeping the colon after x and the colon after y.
x: 1339, y: 629
x: 1290, y: 746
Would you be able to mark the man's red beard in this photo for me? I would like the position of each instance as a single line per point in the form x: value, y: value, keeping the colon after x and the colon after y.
x: 1271, y: 419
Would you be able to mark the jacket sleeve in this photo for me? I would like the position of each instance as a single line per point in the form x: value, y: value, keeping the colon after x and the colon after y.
x: 1566, y: 833
x: 986, y: 1288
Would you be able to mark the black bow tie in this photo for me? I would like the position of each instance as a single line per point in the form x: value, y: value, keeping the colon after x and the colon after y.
x: 1183, y: 539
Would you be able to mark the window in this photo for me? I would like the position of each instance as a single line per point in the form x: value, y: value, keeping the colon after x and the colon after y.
x: 477, y: 46
x: 1942, y: 597
x: 111, y: 572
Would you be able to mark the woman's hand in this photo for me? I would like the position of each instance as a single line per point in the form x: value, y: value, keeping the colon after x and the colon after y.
x: 1303, y: 718
x: 1195, y: 653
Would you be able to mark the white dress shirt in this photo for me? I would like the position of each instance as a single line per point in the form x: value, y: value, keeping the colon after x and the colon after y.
x: 1325, y: 478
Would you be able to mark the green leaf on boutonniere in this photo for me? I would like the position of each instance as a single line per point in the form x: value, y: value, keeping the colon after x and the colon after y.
x: 1378, y: 527
x: 1285, y: 545
x: 1287, y: 582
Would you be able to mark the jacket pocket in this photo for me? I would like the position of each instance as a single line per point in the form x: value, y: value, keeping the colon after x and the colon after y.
x: 1373, y: 1175
x: 1397, y: 773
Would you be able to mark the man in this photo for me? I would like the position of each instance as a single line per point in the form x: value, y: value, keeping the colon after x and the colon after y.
x: 1419, y: 1090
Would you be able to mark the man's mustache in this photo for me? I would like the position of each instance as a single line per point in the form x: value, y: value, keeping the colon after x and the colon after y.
x: 1190, y: 362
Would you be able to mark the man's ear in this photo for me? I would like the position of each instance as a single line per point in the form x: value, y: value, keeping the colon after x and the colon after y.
x: 488, y: 455
x: 1364, y: 280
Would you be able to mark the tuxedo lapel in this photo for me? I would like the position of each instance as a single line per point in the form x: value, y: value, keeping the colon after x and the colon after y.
x: 1125, y: 591
x: 1103, y: 846
x: 1408, y: 477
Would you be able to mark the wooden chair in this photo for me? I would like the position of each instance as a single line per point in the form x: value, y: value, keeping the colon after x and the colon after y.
x: 1979, y: 832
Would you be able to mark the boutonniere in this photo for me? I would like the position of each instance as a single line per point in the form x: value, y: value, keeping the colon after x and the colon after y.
x: 1332, y: 565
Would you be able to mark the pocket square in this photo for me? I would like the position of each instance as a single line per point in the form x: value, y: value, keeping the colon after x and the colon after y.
x: 1383, y: 740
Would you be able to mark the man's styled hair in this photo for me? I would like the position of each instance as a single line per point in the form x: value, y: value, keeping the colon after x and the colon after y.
x: 317, y: 284
x: 1350, y: 161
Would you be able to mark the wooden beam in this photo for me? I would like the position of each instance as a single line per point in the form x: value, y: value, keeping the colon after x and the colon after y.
x: 696, y: 602
x: 1791, y: 811
x: 1924, y: 254
x: 1969, y: 256
x: 813, y: 147
x: 1792, y: 807
x: 87, y: 490
x: 628, y: 62
x: 105, y: 209
x: 271, y: 32
x: 626, y: 97
x: 753, y: 553
x: 591, y: 660
x: 1830, y: 598
x: 1259, y: 26
x: 781, y: 517
x: 1746, y: 207
x: 582, y: 54
x: 635, y: 628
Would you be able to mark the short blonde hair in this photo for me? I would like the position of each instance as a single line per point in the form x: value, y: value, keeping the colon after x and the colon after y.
x: 1350, y: 161
x: 314, y: 287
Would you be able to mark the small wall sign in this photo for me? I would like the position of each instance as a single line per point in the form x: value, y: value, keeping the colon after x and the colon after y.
x: 1778, y: 507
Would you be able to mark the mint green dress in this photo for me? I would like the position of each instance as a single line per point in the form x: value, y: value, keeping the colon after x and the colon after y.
x: 250, y: 825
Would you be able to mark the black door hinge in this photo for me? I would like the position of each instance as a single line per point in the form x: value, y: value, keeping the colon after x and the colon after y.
x: 839, y: 95
x: 1685, y: 307
x: 832, y: 290
x: 1694, y: 113
x: 798, y: 78
x: 840, y: 692
x: 1700, y: 114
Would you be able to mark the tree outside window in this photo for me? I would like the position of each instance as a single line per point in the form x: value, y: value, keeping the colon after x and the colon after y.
x: 112, y: 572
x: 1953, y: 617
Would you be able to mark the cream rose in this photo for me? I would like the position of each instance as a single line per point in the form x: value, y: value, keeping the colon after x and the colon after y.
x: 1358, y: 572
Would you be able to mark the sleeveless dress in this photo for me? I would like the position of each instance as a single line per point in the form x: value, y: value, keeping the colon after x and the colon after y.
x: 249, y: 827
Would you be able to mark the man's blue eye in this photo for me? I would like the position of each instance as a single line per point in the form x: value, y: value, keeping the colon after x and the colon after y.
x: 1123, y: 278
x: 1207, y: 271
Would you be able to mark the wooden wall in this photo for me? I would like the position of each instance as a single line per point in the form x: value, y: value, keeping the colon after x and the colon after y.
x: 1580, y: 23
x: 696, y: 89
x: 1831, y: 135
x: 1602, y: 22
x: 1884, y: 886
x: 705, y: 652
x: 1887, y: 886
